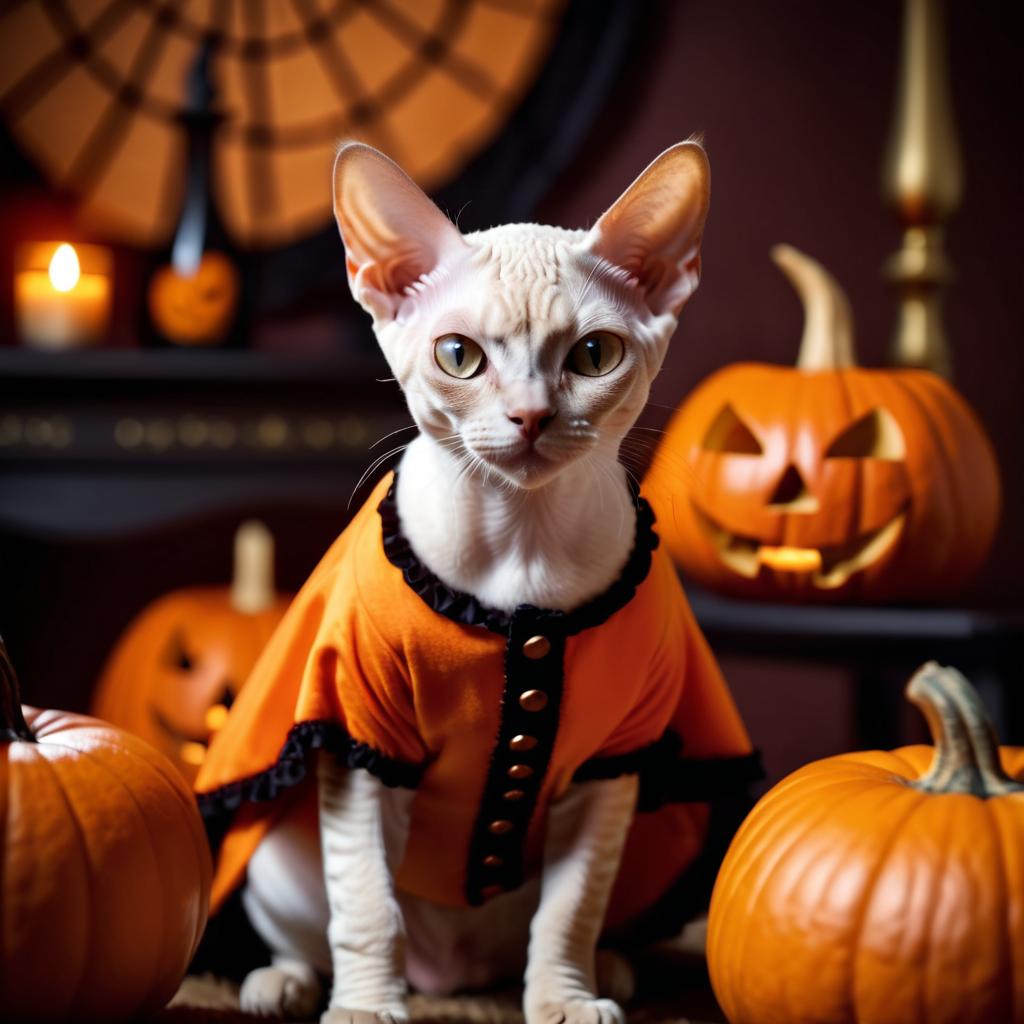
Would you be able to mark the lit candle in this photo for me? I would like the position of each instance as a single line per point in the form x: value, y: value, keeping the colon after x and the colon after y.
x: 62, y: 296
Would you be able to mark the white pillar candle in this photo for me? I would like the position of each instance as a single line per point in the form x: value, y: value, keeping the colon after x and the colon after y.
x: 62, y: 296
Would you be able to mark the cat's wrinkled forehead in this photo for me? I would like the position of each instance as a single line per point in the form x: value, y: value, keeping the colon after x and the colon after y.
x: 528, y: 276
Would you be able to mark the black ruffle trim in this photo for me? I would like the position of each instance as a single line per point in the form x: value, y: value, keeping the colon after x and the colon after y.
x: 655, y: 757
x: 465, y: 608
x: 293, y: 762
x: 666, y: 777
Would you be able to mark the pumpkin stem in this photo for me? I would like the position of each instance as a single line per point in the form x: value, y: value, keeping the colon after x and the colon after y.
x: 252, y: 589
x: 966, y: 746
x: 12, y: 720
x: 827, y: 343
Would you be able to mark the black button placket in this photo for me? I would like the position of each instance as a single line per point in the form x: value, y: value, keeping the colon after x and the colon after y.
x: 531, y: 701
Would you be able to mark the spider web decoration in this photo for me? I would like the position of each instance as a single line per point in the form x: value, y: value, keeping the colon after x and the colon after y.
x: 92, y: 89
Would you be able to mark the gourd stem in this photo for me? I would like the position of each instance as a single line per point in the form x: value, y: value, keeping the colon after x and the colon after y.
x: 827, y: 342
x: 12, y: 720
x: 966, y: 747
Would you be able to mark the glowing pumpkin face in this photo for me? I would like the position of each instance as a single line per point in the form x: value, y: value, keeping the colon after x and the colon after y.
x: 177, y: 668
x: 195, y: 309
x: 826, y: 481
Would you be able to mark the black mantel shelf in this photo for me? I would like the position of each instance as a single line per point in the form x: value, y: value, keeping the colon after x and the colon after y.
x: 180, y: 365
x: 97, y: 443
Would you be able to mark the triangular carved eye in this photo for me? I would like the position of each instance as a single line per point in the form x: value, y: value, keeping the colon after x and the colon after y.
x: 728, y: 433
x: 177, y: 656
x: 876, y: 435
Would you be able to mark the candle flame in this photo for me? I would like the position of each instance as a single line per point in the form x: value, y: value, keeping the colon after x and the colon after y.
x: 64, y: 269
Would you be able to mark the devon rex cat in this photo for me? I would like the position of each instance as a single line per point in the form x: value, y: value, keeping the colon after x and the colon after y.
x: 497, y: 666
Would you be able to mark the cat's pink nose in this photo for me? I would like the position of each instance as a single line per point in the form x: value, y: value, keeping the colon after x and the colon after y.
x: 531, y: 421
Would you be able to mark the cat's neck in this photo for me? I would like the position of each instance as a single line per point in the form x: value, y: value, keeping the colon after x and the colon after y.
x: 553, y: 547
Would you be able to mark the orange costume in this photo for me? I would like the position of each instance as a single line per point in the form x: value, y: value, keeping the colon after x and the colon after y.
x: 490, y: 716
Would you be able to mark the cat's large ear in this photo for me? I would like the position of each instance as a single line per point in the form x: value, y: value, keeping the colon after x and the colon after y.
x: 653, y: 230
x: 393, y: 233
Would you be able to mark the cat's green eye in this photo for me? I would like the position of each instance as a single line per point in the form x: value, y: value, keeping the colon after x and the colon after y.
x: 459, y: 356
x: 596, y: 354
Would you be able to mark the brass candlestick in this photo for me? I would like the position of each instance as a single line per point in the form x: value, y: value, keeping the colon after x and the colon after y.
x: 922, y: 179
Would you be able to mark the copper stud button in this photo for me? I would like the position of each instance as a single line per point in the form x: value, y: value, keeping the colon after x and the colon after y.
x: 522, y: 743
x: 520, y: 771
x: 533, y: 700
x: 490, y: 891
x: 513, y: 794
x: 499, y: 827
x: 537, y: 647
x: 491, y: 861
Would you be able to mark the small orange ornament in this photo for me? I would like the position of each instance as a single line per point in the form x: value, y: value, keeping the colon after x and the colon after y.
x: 106, y: 868
x: 177, y: 668
x: 880, y: 887
x: 826, y: 481
x: 197, y: 308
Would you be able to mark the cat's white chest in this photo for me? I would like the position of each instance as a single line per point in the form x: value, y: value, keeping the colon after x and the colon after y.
x: 508, y: 549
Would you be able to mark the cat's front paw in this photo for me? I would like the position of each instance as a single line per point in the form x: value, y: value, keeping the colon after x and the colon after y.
x: 340, y: 1015
x: 576, y: 1011
x: 292, y: 991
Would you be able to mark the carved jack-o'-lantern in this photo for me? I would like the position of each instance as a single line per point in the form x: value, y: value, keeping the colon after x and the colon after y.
x: 197, y: 308
x: 177, y: 668
x: 827, y: 481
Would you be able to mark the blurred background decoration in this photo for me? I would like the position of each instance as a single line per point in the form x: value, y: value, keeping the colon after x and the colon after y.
x: 131, y: 449
x: 140, y: 116
x: 176, y: 670
x: 93, y: 92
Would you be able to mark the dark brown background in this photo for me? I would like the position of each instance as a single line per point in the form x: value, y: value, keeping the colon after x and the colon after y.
x: 794, y: 99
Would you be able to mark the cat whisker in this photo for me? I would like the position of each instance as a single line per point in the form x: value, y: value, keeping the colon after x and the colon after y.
x: 452, y: 443
x: 373, y: 465
x: 636, y: 483
x: 674, y: 462
x: 637, y: 444
x: 609, y: 475
x: 411, y: 426
x: 597, y: 468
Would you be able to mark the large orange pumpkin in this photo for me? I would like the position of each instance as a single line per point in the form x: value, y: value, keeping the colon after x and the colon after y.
x: 179, y: 665
x: 826, y: 481
x: 106, y: 870
x: 881, y: 888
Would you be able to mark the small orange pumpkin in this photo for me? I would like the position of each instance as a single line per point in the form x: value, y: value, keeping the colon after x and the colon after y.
x: 106, y: 868
x: 179, y: 665
x: 876, y: 887
x: 196, y: 308
x: 826, y: 482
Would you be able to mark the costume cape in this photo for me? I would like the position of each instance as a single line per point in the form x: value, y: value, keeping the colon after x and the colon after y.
x: 490, y: 716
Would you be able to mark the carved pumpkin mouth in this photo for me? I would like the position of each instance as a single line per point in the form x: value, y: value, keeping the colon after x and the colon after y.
x: 829, y: 567
x: 192, y: 748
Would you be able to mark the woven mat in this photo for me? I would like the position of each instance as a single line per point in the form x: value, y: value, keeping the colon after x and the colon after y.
x: 672, y: 987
